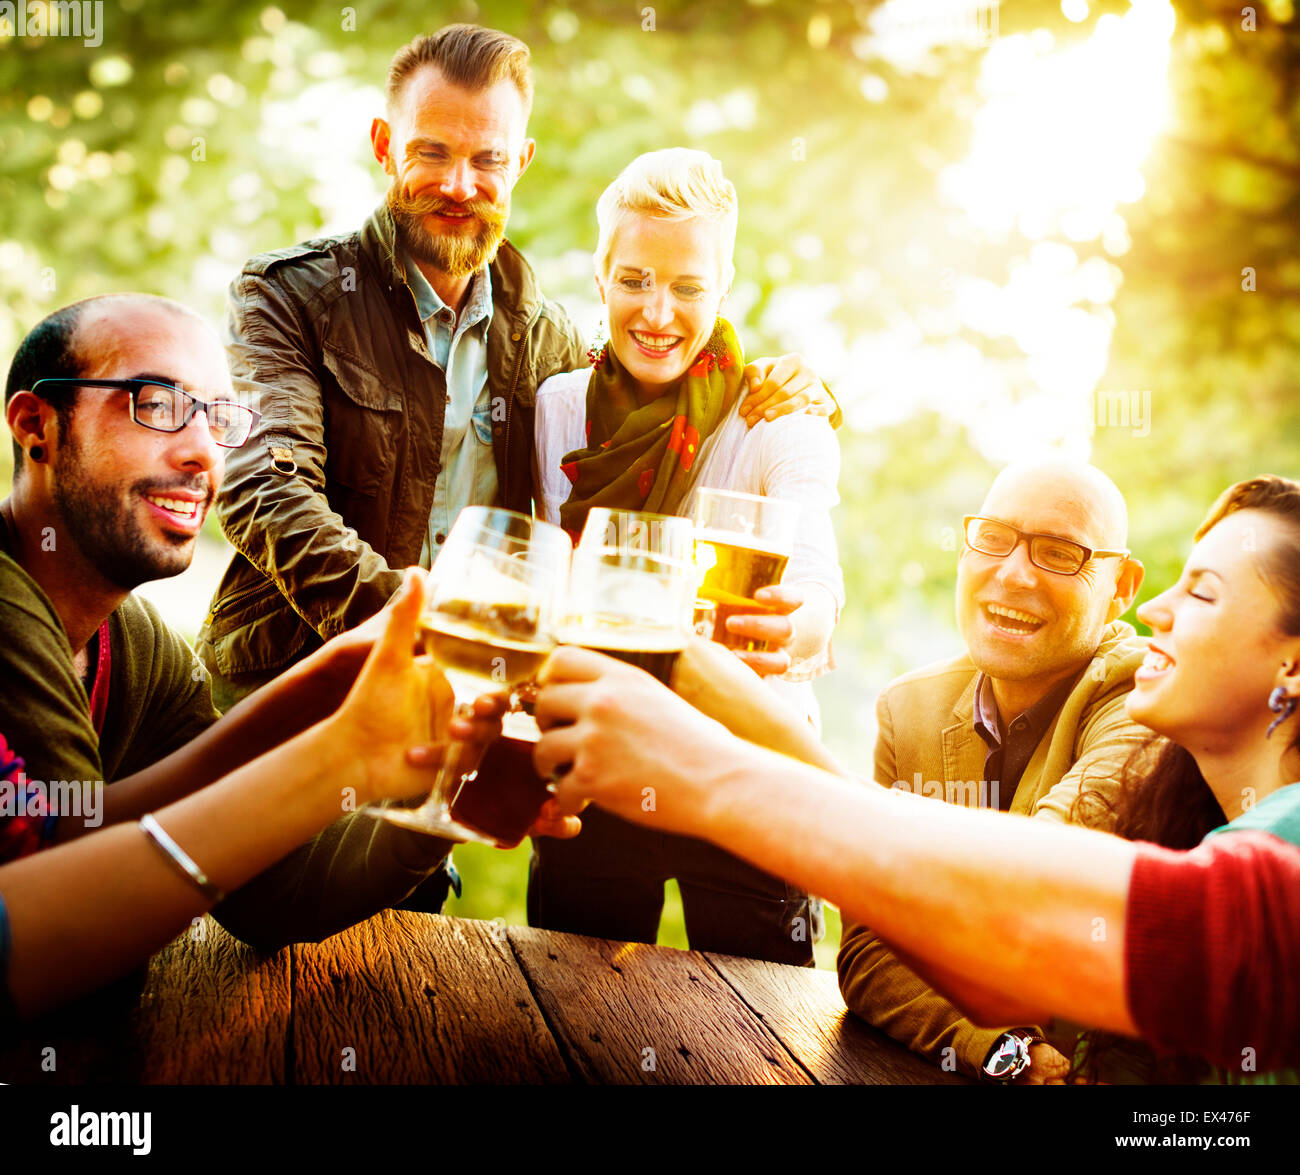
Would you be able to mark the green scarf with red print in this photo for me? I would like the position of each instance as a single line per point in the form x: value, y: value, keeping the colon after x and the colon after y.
x: 639, y: 456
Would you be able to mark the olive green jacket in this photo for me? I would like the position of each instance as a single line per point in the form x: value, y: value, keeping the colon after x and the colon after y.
x: 927, y: 743
x: 329, y: 499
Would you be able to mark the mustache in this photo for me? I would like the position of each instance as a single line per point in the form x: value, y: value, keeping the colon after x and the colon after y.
x: 405, y: 205
x: 199, y: 485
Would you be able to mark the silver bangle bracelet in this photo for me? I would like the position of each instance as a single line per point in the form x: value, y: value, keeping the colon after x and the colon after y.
x: 179, y: 857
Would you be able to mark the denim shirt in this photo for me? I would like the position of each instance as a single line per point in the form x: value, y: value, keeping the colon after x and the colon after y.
x: 458, y: 346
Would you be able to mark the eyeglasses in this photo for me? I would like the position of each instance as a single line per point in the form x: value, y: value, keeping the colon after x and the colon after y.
x: 988, y: 536
x: 164, y: 408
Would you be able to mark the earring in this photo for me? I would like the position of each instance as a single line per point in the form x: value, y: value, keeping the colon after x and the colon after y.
x: 36, y: 453
x: 596, y: 352
x: 1283, y: 705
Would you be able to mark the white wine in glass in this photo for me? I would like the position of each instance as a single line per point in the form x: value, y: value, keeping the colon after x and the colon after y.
x: 489, y: 624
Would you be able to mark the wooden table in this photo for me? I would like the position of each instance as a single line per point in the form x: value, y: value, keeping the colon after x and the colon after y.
x: 419, y: 998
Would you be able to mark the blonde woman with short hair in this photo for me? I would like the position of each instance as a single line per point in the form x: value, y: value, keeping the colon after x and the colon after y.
x: 656, y: 418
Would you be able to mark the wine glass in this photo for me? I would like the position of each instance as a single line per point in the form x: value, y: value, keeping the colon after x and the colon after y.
x: 632, y: 588
x: 489, y: 624
x: 667, y: 536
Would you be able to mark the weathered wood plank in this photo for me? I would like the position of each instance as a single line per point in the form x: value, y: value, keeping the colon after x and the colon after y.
x: 208, y: 1010
x: 214, y: 1012
x: 805, y: 1010
x: 418, y: 998
x: 629, y: 1013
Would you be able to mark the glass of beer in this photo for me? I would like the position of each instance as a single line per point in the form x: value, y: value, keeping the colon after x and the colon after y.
x: 632, y: 589
x: 504, y: 797
x: 489, y: 623
x: 742, y: 543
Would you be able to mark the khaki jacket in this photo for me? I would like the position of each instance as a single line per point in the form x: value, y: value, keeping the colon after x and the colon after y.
x: 927, y: 743
x: 330, y: 497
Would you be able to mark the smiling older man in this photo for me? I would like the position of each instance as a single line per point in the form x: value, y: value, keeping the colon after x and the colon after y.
x: 1035, y: 705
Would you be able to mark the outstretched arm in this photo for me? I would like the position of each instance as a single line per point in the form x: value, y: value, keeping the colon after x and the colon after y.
x: 82, y: 914
x: 300, y: 697
x: 716, y: 683
x: 937, y: 881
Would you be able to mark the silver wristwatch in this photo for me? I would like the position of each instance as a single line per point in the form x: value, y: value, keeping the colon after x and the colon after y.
x: 1009, y: 1057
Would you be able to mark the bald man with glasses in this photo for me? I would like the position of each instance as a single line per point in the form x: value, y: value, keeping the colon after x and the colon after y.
x: 1033, y: 708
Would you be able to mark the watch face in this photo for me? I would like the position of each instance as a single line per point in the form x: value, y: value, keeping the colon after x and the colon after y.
x: 1005, y: 1059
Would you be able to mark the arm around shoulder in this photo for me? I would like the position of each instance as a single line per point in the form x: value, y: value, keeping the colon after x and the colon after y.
x: 567, y: 351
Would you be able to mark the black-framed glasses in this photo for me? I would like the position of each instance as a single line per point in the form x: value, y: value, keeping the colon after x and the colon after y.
x: 988, y: 536
x: 164, y: 408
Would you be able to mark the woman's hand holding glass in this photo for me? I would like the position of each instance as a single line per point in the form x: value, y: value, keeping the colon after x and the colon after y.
x: 776, y: 629
x: 742, y: 544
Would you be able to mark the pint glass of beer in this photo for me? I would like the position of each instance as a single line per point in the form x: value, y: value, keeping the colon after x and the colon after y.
x: 632, y: 589
x: 489, y: 624
x: 742, y: 543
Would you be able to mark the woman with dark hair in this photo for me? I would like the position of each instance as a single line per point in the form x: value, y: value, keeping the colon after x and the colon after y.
x: 1209, y: 768
x: 1196, y: 952
x: 1172, y: 801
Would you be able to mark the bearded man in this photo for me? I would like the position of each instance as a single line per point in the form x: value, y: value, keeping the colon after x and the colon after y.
x: 396, y: 369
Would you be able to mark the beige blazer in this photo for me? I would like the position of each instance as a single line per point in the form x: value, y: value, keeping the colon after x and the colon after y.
x: 927, y: 744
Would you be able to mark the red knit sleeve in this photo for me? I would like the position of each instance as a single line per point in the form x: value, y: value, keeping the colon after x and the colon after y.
x: 1212, y: 950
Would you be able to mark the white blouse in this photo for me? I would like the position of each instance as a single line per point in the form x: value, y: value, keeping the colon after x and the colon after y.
x: 794, y: 457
